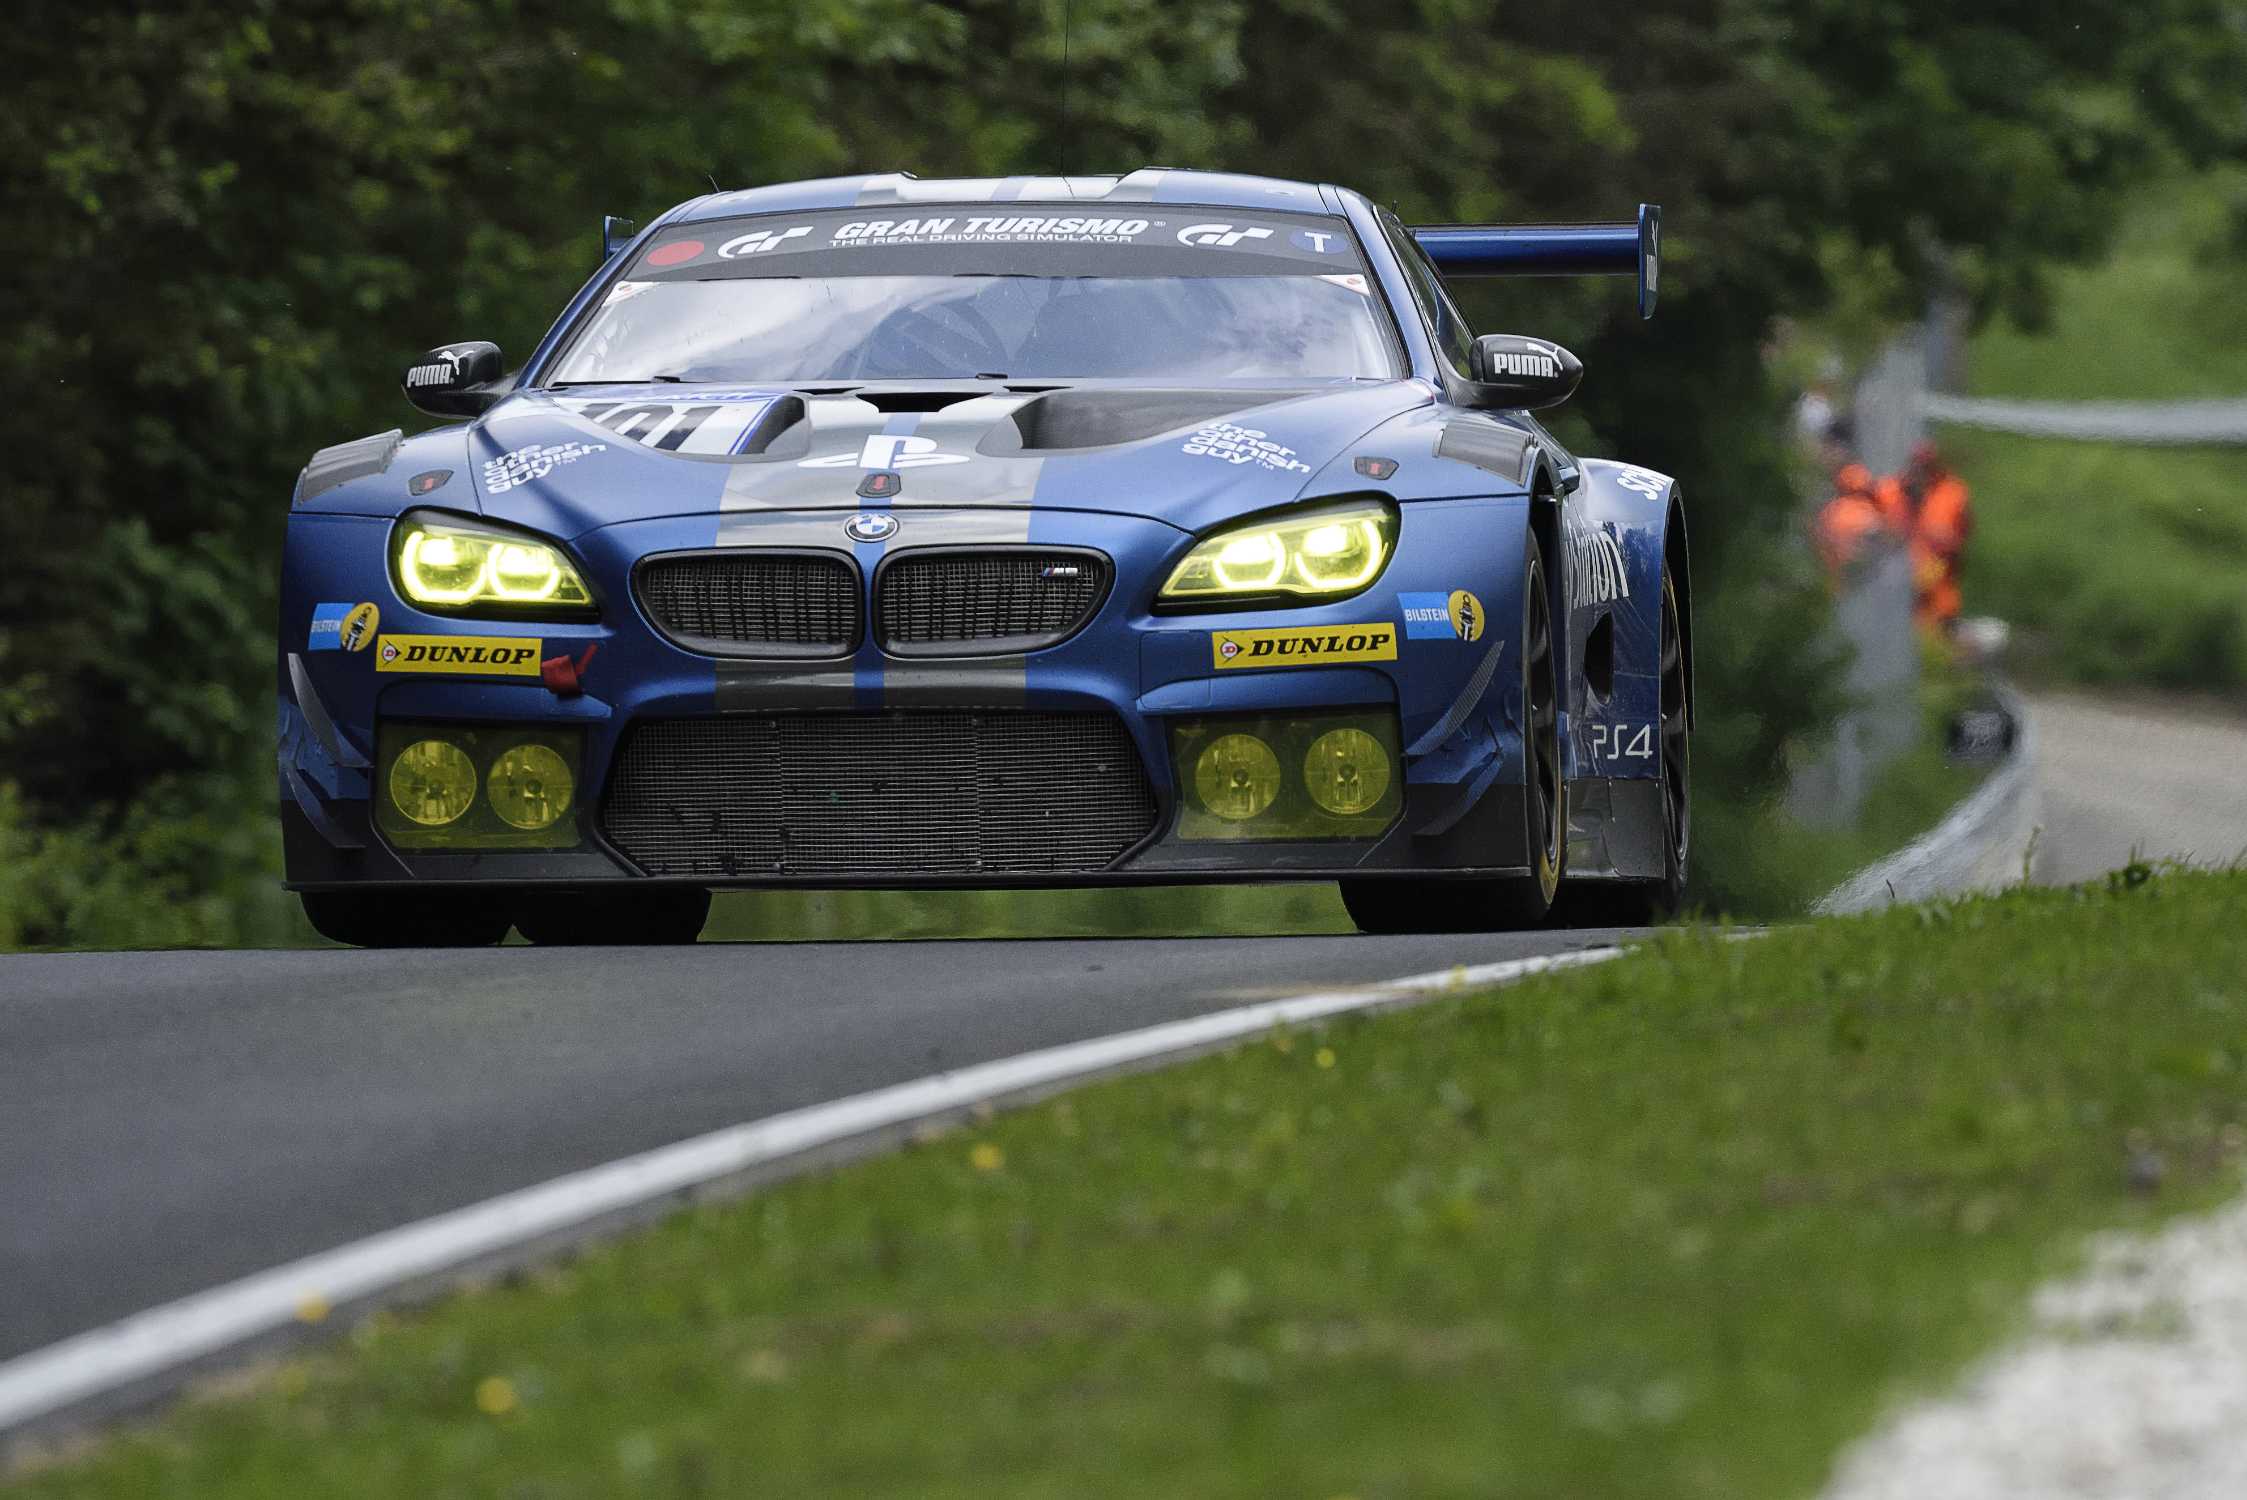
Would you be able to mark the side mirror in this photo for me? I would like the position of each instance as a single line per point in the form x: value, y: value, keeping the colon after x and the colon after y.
x: 454, y: 381
x: 1512, y: 371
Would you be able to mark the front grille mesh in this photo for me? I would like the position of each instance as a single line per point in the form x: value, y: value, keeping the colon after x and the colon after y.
x: 1020, y: 599
x: 754, y: 599
x: 900, y: 794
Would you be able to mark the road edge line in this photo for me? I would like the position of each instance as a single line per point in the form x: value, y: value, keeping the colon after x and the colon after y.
x: 176, y: 1337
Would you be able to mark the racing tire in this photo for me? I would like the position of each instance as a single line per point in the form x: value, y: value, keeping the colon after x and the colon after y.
x: 663, y: 916
x: 1506, y: 903
x: 1642, y: 903
x: 428, y: 918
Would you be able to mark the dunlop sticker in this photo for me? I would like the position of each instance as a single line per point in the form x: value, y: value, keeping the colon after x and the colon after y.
x: 460, y: 655
x: 1303, y: 645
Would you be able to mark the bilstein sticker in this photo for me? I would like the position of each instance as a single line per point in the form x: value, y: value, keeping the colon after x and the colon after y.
x: 342, y: 627
x: 461, y: 655
x: 1456, y: 616
x: 1303, y: 646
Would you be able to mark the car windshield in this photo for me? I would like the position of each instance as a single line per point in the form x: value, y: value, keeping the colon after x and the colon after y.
x: 972, y: 293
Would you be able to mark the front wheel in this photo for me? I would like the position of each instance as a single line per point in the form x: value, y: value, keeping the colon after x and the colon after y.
x: 430, y: 917
x: 1511, y: 902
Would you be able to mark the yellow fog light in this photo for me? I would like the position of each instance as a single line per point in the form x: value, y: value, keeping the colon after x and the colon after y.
x: 530, y: 787
x: 432, y: 782
x: 1346, y: 771
x: 1237, y: 776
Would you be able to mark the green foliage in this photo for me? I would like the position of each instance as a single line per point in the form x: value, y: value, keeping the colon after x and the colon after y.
x: 2163, y: 609
x: 231, y: 225
x: 2158, y: 319
x: 1678, y: 1226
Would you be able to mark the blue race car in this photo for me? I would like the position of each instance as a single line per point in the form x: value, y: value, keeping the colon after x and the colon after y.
x: 1169, y: 527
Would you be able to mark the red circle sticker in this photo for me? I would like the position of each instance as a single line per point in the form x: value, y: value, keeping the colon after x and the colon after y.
x: 673, y: 253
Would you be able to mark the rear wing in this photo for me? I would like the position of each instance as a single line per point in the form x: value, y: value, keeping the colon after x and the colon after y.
x: 1620, y: 249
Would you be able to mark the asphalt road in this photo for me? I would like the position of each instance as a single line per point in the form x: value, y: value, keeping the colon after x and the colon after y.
x: 2118, y: 777
x: 172, y: 1121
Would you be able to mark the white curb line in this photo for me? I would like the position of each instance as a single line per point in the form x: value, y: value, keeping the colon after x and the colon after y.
x: 162, y: 1339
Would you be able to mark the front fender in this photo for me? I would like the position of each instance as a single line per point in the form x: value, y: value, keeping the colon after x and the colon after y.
x: 1619, y: 526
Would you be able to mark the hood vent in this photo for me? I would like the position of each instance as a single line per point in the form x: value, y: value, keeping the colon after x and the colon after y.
x: 897, y: 401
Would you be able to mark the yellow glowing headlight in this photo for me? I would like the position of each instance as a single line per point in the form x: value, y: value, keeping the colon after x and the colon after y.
x: 432, y: 782
x: 530, y: 787
x: 1237, y: 776
x: 1346, y: 771
x: 1336, y: 550
x: 455, y: 567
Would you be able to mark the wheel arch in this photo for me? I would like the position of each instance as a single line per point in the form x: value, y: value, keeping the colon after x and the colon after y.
x: 1678, y: 555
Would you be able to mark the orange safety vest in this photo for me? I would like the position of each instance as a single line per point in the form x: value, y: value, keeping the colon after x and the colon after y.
x: 1844, y: 522
x: 1937, y: 533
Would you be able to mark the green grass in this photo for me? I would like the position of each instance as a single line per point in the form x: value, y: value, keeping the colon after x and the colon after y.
x: 1136, y: 911
x: 1677, y: 1226
x: 2159, y: 319
x: 2125, y: 564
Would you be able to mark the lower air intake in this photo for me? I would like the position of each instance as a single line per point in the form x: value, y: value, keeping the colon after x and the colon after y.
x: 898, y: 795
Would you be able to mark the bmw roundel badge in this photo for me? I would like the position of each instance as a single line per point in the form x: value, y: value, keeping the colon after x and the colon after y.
x: 870, y: 526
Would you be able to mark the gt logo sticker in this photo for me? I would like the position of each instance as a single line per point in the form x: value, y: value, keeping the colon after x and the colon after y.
x: 342, y: 627
x: 1224, y: 235
x: 758, y: 241
x: 1303, y: 646
x: 461, y: 655
x: 1456, y: 616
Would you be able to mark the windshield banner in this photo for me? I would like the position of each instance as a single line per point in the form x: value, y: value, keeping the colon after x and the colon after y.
x: 1039, y: 240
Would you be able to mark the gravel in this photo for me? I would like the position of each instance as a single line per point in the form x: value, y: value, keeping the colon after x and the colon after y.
x: 2131, y: 1383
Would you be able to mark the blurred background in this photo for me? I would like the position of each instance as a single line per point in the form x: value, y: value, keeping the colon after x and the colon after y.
x: 1888, y: 224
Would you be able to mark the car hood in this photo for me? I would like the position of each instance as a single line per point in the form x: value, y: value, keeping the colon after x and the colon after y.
x: 567, y: 461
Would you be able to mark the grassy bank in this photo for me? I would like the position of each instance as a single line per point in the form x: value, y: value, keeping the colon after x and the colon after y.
x: 1677, y: 1226
x: 2124, y: 563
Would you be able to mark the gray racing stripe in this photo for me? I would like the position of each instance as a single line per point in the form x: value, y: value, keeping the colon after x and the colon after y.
x: 1138, y: 187
x: 744, y: 685
x: 998, y: 681
x: 992, y: 681
x: 824, y: 466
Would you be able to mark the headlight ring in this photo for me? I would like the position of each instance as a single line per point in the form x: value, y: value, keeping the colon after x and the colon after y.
x: 456, y: 566
x: 1309, y: 555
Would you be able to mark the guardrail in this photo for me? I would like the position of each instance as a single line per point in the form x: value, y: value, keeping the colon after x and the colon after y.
x: 1983, y: 844
x: 2156, y: 423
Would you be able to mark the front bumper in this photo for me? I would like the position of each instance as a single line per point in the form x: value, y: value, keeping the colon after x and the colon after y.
x: 1455, y: 702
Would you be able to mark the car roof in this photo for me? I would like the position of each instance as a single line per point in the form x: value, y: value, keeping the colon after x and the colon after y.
x: 903, y: 189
